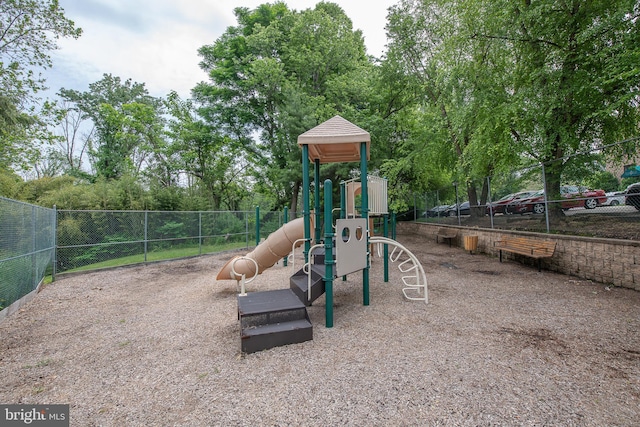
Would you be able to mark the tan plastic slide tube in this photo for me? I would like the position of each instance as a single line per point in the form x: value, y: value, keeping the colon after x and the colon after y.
x: 278, y: 245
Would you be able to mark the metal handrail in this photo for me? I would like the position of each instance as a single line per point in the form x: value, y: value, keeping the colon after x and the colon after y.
x: 305, y: 269
x: 242, y: 279
x: 292, y: 256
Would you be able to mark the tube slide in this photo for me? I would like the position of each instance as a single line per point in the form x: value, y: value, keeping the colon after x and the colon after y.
x: 266, y: 254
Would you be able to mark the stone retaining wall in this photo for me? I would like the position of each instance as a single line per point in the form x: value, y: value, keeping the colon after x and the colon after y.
x: 608, y: 261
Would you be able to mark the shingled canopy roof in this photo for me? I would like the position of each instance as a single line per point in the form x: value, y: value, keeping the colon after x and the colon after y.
x: 336, y: 140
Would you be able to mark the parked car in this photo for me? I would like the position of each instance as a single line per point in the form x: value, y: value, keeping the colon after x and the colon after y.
x: 573, y: 196
x: 436, y: 211
x: 614, y: 198
x: 532, y: 203
x: 464, y: 209
x: 408, y: 215
x: 499, y: 205
x: 581, y: 197
x: 632, y: 195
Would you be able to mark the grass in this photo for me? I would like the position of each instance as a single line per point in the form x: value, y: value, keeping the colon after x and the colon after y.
x: 173, y: 253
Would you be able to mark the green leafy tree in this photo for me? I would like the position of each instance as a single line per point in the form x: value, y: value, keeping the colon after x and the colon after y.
x: 277, y: 74
x: 455, y: 82
x: 73, y: 135
x: 128, y: 124
x: 505, y: 81
x: 205, y: 154
x: 28, y: 33
x: 576, y: 82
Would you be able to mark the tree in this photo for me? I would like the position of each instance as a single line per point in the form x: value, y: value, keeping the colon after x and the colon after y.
x: 128, y: 124
x: 456, y: 83
x: 575, y: 83
x: 74, y: 134
x: 28, y: 32
x: 271, y: 78
x: 506, y: 81
x: 206, y: 154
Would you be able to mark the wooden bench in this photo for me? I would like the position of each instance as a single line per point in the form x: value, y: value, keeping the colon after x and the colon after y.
x: 447, y: 234
x: 527, y: 246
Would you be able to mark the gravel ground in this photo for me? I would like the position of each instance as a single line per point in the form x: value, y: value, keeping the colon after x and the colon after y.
x: 498, y: 344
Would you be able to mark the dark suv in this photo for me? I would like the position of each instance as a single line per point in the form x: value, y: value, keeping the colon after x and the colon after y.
x: 632, y: 195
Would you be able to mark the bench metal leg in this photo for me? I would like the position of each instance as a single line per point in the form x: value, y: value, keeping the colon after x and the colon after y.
x: 500, y: 255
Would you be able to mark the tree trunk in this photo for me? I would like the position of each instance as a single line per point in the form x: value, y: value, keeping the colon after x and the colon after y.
x: 294, y: 199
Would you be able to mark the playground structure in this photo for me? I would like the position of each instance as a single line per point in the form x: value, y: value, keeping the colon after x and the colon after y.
x: 272, y: 318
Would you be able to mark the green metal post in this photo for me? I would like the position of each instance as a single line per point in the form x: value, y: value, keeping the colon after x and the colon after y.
x: 286, y: 220
x: 305, y: 199
x: 246, y: 229
x: 393, y: 225
x: 257, y: 225
x: 146, y: 239
x: 199, y: 233
x: 34, y: 263
x: 316, y: 180
x: 55, y: 244
x: 365, y: 215
x: 343, y: 200
x: 386, y: 248
x: 343, y: 208
x: 328, y: 254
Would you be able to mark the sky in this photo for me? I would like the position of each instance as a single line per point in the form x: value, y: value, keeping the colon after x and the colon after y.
x: 155, y: 42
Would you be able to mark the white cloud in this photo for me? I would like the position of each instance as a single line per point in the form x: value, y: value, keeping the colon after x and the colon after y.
x: 156, y: 41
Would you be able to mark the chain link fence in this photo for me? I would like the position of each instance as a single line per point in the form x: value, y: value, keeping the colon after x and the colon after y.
x: 97, y: 239
x: 607, y: 207
x: 27, y: 248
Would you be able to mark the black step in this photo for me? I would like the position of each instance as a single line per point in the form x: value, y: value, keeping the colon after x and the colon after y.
x: 317, y: 255
x: 266, y: 307
x: 272, y: 318
x: 274, y: 335
x: 299, y: 284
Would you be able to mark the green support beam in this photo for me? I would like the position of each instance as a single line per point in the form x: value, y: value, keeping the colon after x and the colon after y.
x: 365, y: 215
x: 328, y: 254
x: 305, y: 201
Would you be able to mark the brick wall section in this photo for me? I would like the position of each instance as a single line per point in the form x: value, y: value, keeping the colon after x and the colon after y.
x: 608, y: 261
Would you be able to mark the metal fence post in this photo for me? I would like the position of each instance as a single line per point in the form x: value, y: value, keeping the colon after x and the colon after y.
x: 489, y: 205
x: 199, y: 233
x: 257, y: 225
x: 426, y: 205
x: 34, y: 260
x: 246, y: 229
x: 146, y: 227
x: 545, y: 193
x: 55, y: 243
x: 455, y: 184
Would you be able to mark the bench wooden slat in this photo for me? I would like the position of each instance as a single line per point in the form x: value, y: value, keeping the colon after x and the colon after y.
x: 446, y: 233
x: 533, y: 248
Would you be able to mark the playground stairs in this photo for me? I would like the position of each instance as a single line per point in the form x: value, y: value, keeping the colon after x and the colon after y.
x: 299, y: 284
x: 271, y: 319
x: 274, y: 318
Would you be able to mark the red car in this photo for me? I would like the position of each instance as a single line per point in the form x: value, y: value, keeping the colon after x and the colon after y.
x: 499, y: 206
x: 573, y: 196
